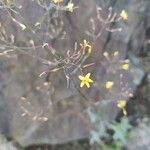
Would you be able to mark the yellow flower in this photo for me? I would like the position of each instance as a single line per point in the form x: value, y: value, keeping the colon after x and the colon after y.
x: 116, y: 53
x: 22, y: 26
x: 125, y: 112
x: 45, y: 83
x: 70, y: 6
x: 125, y: 66
x: 106, y: 54
x: 57, y: 1
x: 85, y: 80
x: 109, y: 84
x: 122, y: 104
x: 124, y: 15
x: 87, y: 45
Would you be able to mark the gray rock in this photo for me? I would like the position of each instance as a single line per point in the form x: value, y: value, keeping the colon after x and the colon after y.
x: 140, y: 139
x: 34, y: 112
x: 136, y: 69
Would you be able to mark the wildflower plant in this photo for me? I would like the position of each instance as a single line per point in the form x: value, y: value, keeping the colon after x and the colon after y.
x: 106, y: 74
x: 85, y: 80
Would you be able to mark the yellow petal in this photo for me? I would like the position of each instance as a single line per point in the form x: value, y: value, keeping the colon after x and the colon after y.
x: 22, y: 26
x: 109, y: 84
x: 87, y: 84
x: 105, y: 54
x: 82, y: 84
x: 124, y: 112
x: 57, y: 1
x: 121, y: 104
x: 125, y: 66
x: 70, y: 6
x: 116, y: 53
x: 81, y: 78
x: 88, y: 75
x: 85, y: 42
x: 89, y: 49
x: 124, y: 14
x: 90, y: 80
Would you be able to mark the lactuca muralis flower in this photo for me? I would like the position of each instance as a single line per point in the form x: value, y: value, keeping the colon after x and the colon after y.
x: 109, y: 84
x: 116, y: 53
x: 23, y: 27
x: 57, y: 1
x: 124, y: 15
x: 85, y: 80
x: 70, y: 7
x: 122, y: 104
x: 86, y: 45
x: 125, y: 65
x: 106, y: 54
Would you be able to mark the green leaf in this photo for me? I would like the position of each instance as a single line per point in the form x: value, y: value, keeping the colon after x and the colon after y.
x: 120, y: 129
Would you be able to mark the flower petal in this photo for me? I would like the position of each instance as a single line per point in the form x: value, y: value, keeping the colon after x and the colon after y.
x: 82, y: 84
x: 81, y: 78
x: 90, y: 80
x: 125, y: 112
x: 109, y: 84
x: 121, y: 104
x: 88, y: 75
x: 87, y: 84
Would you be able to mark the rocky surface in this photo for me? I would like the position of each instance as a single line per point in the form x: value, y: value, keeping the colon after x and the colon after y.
x: 34, y: 112
x: 139, y: 139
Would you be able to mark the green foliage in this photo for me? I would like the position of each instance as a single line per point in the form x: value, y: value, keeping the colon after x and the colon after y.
x: 114, y: 146
x: 101, y: 127
x: 120, y: 129
x: 120, y: 133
